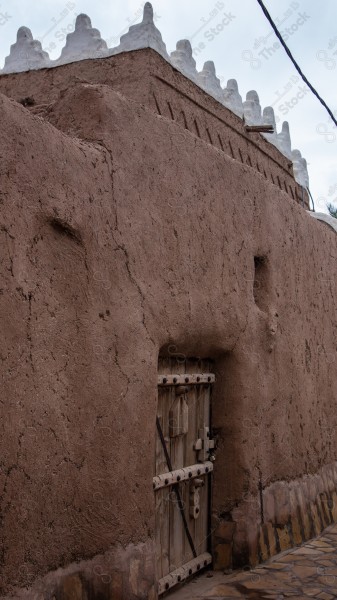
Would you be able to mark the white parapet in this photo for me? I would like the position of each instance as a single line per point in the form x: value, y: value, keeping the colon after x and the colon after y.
x: 182, y: 59
x: 331, y: 221
x: 84, y: 42
x: 142, y: 35
x: 284, y: 140
x: 252, y: 108
x: 268, y: 118
x: 209, y: 82
x: 300, y: 169
x: 231, y: 97
x: 25, y: 54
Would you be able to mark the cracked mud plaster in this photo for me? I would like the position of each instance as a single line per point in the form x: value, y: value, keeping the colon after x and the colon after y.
x: 119, y: 237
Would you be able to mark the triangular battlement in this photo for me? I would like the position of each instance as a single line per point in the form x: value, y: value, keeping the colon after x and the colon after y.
x: 86, y: 42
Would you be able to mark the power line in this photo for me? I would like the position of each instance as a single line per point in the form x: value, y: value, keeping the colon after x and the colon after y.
x: 297, y: 67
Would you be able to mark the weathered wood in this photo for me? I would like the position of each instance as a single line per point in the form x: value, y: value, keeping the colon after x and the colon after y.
x: 182, y: 573
x: 184, y: 388
x: 171, y: 477
x: 185, y: 379
x: 178, y: 424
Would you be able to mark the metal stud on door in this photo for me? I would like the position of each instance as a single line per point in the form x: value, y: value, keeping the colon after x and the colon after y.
x: 183, y: 463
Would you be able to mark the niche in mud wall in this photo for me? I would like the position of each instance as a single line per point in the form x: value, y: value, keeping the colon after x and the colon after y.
x: 261, y: 283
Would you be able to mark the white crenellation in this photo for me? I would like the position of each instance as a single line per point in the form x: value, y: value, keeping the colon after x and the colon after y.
x: 84, y: 42
x: 26, y: 54
x: 209, y: 82
x: 142, y: 35
x: 252, y: 108
x: 300, y: 168
x: 182, y: 59
x: 268, y: 118
x: 284, y: 140
x: 231, y: 97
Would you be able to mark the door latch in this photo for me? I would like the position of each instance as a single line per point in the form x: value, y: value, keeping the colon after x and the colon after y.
x: 204, y: 445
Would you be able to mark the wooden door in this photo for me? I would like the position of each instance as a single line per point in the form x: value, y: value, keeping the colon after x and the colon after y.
x: 183, y: 464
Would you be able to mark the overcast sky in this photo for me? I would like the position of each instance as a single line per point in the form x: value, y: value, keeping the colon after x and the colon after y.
x: 238, y: 38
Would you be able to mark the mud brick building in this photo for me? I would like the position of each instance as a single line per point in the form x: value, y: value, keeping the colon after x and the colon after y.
x: 166, y: 300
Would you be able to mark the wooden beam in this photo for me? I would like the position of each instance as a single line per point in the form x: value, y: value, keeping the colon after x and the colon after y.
x: 193, y: 566
x: 186, y: 379
x: 259, y: 128
x: 173, y: 477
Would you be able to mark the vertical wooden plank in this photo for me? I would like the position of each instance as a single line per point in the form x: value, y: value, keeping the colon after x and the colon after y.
x: 203, y: 412
x: 162, y: 496
x: 190, y: 453
x: 177, y: 532
x: 198, y: 528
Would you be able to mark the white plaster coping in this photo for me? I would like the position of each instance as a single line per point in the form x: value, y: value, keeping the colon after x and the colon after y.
x: 142, y: 35
x: 26, y: 54
x: 84, y: 42
x: 232, y: 99
x: 182, y: 59
x: 252, y: 108
x: 331, y: 221
x: 300, y: 168
x: 209, y: 82
x: 284, y: 140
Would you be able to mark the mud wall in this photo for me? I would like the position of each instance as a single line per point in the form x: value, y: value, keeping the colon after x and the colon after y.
x: 122, y: 232
x: 147, y: 78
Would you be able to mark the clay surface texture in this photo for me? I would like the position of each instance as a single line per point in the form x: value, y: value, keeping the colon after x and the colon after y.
x: 140, y: 219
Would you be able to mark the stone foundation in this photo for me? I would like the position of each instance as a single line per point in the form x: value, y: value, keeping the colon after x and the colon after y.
x: 119, y: 574
x: 287, y: 514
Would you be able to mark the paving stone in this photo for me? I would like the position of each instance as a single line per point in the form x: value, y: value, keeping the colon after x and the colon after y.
x: 330, y: 569
x: 223, y: 591
x: 289, y: 560
x: 304, y: 572
x: 312, y: 592
x: 305, y: 562
x: 307, y: 550
x: 327, y: 582
x: 320, y: 544
x: 276, y: 566
x: 307, y: 572
x: 325, y: 562
x: 266, y: 584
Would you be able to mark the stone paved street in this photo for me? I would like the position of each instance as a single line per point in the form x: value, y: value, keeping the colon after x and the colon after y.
x: 309, y: 571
